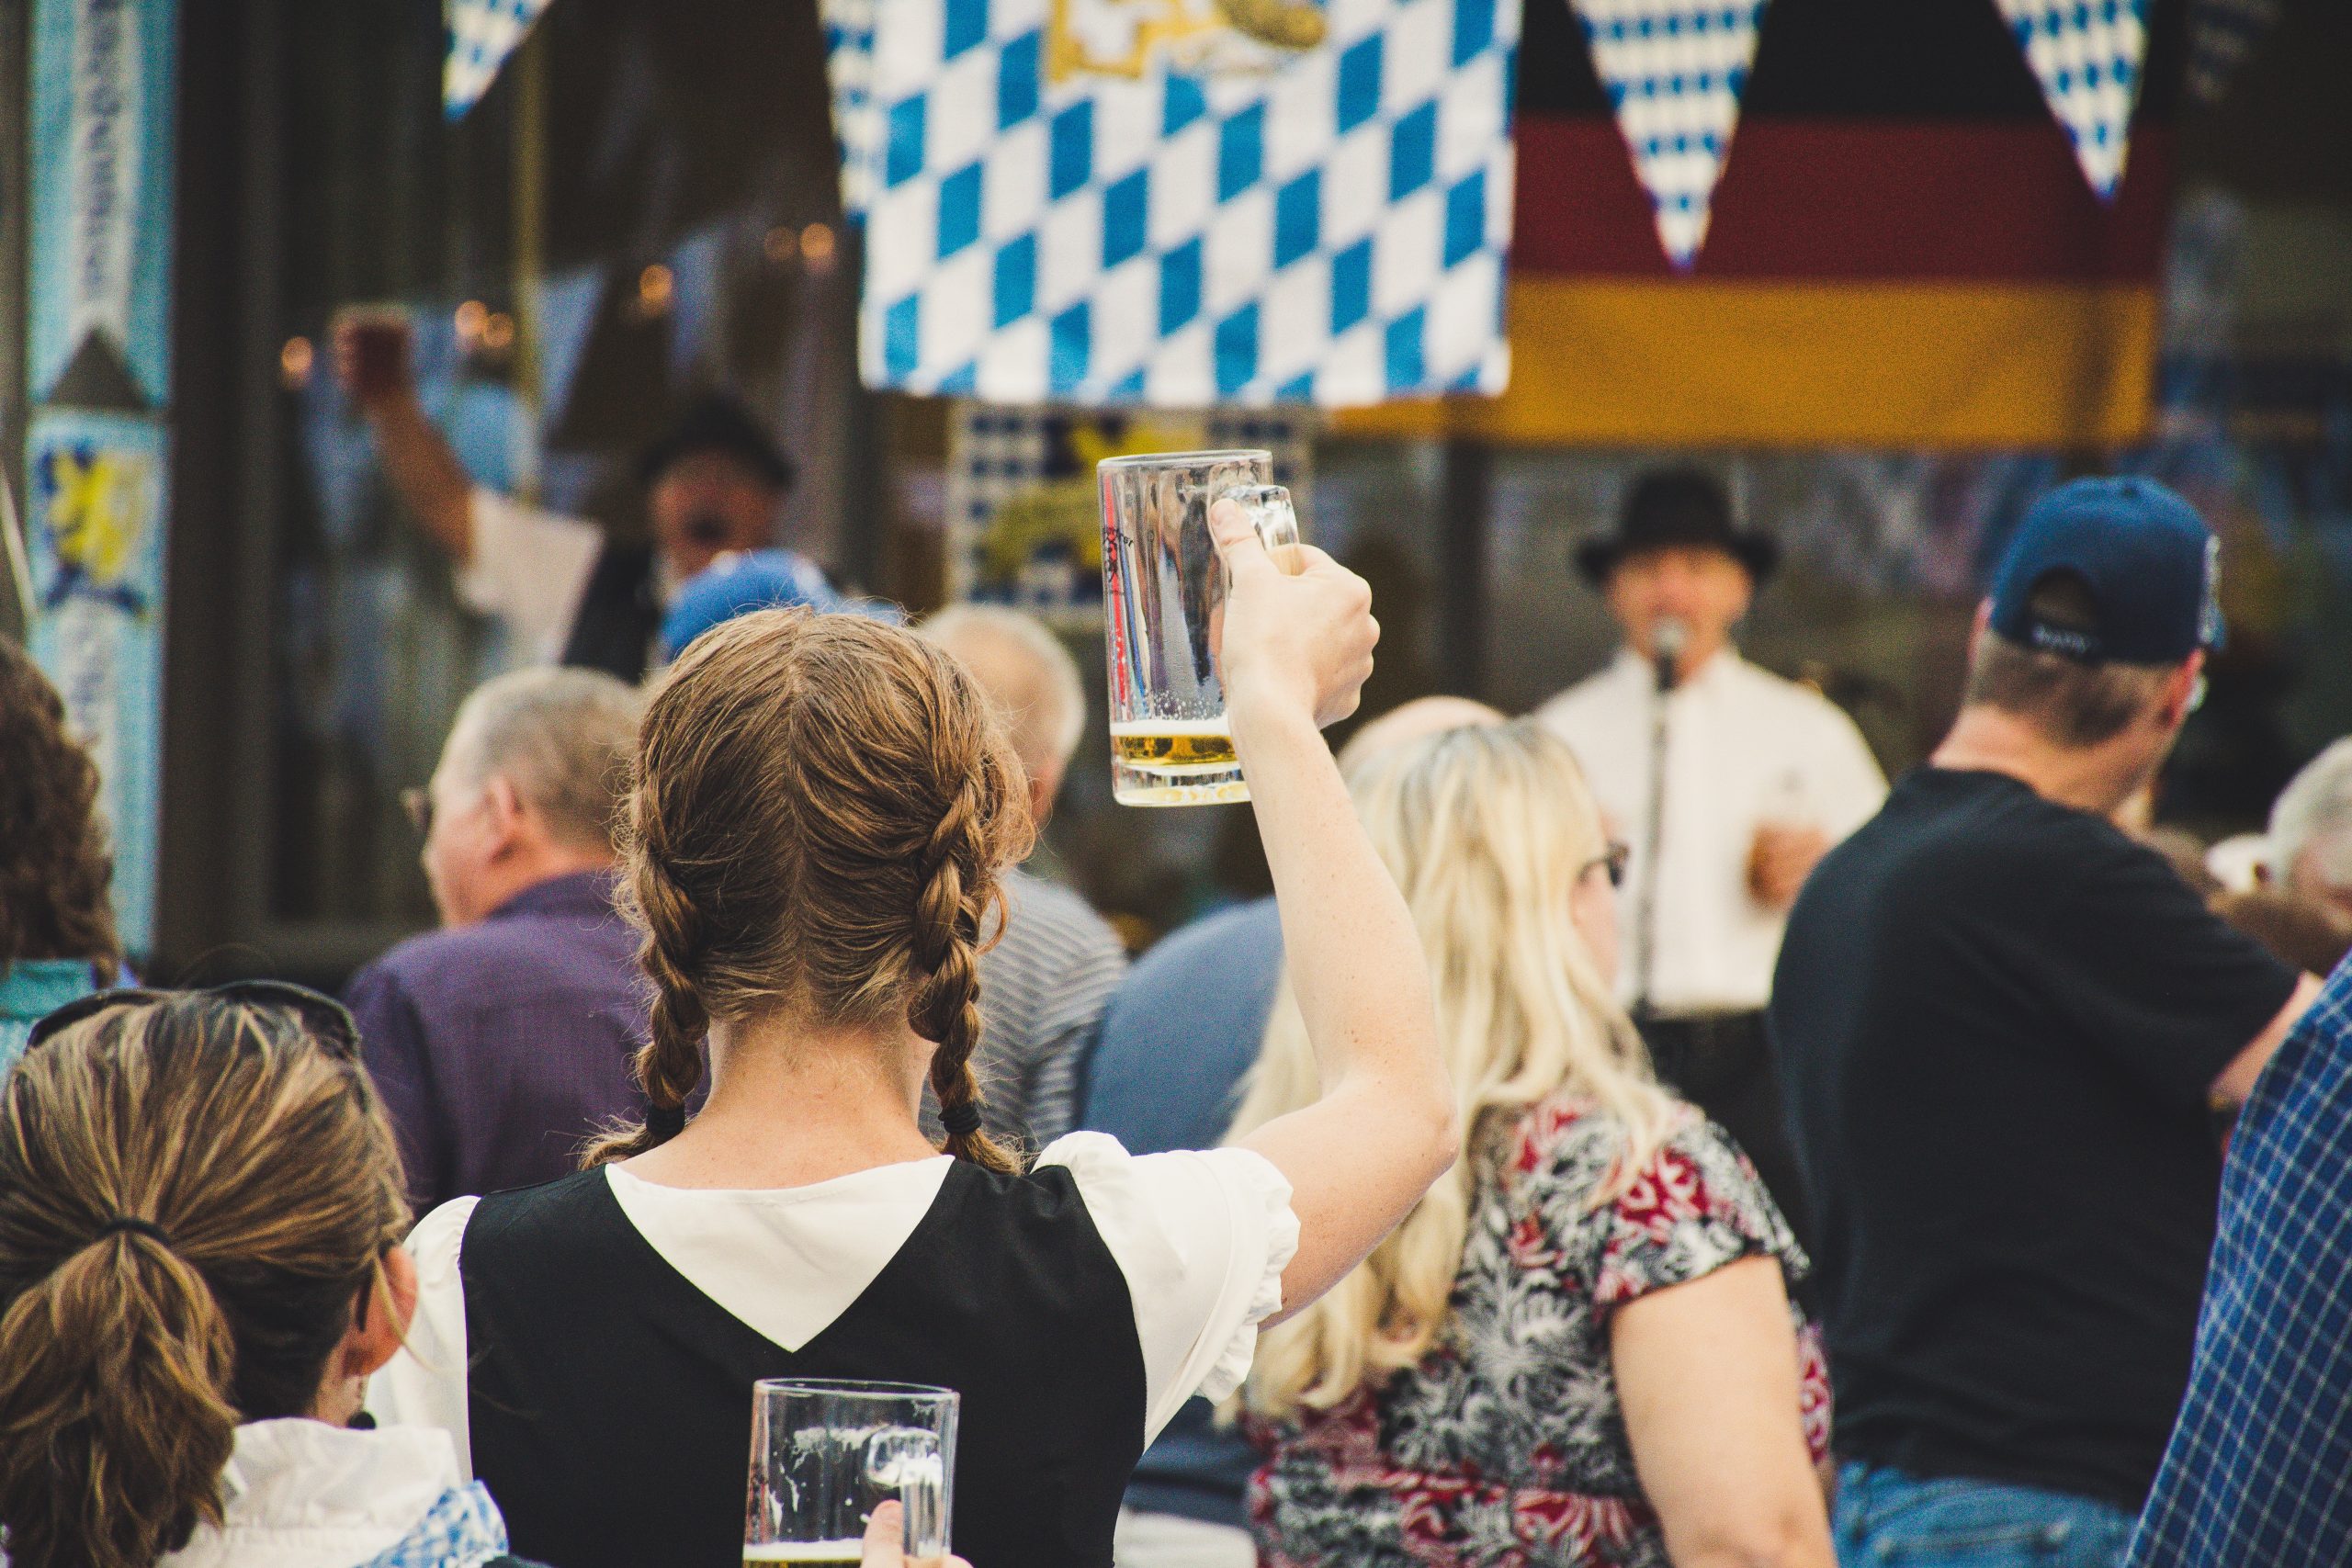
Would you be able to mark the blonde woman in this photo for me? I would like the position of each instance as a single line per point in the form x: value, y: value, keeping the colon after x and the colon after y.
x: 1579, y: 1348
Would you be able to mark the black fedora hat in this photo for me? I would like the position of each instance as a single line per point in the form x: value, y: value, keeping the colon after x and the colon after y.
x: 1676, y: 509
x: 717, y: 422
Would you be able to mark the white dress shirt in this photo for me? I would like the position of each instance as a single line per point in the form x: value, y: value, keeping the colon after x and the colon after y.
x: 1744, y: 748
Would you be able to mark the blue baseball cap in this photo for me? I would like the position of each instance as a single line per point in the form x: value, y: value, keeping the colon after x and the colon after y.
x: 2148, y: 561
x: 737, y: 583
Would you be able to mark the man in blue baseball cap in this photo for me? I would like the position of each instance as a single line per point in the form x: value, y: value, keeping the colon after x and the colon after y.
x: 2004, y: 1028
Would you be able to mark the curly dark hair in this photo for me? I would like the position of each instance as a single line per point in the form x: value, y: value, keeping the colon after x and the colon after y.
x: 54, y: 865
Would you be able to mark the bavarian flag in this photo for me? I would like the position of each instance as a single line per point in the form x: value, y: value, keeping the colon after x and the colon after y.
x: 1903, y: 251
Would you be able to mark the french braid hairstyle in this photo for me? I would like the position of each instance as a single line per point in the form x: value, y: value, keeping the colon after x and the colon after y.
x: 819, y: 810
x: 196, y: 1200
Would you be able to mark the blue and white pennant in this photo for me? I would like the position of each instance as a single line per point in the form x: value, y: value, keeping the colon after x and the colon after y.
x: 1674, y: 70
x: 2087, y: 55
x: 482, y: 33
x: 1330, y: 230
x: 849, y: 74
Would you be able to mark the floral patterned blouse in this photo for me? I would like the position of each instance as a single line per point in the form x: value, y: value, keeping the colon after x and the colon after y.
x: 1506, y: 1445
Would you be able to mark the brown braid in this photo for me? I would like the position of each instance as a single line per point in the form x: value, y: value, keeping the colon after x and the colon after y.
x: 945, y: 1006
x: 820, y: 810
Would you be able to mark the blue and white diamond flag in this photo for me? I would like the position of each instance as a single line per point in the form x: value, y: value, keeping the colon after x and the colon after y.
x: 1180, y: 203
x: 482, y: 33
x: 849, y: 72
x: 1674, y: 70
x: 2086, y: 54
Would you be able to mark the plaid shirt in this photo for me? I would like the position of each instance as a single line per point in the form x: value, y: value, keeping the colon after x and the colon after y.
x: 462, y: 1531
x: 2259, y: 1468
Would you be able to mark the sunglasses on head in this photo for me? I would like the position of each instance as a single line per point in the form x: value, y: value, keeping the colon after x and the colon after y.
x: 320, y: 1015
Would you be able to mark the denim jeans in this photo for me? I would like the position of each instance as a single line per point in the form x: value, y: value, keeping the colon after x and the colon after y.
x: 1888, y: 1519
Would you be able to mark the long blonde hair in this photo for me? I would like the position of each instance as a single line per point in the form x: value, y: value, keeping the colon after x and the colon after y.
x: 1487, y: 830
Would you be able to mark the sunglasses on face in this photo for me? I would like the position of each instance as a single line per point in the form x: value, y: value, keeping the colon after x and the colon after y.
x: 1613, y: 858
x: 320, y: 1016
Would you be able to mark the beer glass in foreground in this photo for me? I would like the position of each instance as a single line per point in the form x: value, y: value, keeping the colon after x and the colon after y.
x: 824, y: 1455
x: 1163, y: 604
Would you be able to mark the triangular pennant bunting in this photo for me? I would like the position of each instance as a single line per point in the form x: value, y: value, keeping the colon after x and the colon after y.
x: 482, y: 33
x: 2086, y: 54
x: 1674, y: 70
x: 849, y: 71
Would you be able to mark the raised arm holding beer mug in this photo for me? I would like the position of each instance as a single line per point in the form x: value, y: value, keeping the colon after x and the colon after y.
x: 823, y: 806
x: 566, y: 592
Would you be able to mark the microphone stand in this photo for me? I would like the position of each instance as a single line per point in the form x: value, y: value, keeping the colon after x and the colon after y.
x: 1667, y: 640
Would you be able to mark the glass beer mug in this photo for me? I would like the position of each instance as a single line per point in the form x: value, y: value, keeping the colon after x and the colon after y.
x: 825, y: 1454
x: 1163, y: 603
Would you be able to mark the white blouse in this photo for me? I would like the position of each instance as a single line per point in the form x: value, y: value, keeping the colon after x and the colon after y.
x: 1202, y: 1237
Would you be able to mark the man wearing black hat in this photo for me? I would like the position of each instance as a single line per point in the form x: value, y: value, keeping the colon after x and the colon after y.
x: 1728, y: 784
x: 565, y: 592
x: 2003, y: 1027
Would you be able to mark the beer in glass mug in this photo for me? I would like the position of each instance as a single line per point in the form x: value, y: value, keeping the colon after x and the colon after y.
x: 1163, y: 610
x: 825, y: 1454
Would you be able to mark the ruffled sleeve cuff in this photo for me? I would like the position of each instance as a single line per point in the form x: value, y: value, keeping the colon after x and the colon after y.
x: 1269, y: 1190
x: 1202, y: 1238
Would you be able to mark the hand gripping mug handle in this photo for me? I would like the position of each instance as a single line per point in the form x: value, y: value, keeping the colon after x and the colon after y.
x: 1270, y: 512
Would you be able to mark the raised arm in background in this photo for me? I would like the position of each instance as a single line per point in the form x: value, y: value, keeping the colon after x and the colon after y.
x: 1295, y: 649
x: 419, y: 461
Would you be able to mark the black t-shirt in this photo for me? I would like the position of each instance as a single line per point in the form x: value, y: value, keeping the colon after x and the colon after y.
x: 1998, y: 1021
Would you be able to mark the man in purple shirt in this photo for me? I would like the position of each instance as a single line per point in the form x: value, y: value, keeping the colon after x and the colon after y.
x: 503, y: 1041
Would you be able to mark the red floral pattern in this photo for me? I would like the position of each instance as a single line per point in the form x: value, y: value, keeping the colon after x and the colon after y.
x: 1506, y: 1445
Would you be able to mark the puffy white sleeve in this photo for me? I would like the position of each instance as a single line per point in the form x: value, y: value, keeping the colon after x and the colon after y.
x: 529, y: 569
x: 424, y: 1383
x: 1203, y: 1238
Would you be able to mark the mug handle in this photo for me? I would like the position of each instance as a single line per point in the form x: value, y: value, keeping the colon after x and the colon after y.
x: 1270, y: 512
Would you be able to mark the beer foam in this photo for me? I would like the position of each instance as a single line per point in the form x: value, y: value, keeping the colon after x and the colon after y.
x: 1220, y: 728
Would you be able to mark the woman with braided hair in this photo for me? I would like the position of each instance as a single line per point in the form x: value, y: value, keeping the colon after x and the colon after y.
x: 821, y: 808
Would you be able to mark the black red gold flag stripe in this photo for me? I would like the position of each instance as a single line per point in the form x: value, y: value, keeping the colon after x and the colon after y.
x: 1904, y: 252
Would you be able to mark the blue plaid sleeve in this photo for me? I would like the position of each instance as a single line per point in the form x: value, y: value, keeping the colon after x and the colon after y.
x: 463, y: 1529
x: 2259, y: 1468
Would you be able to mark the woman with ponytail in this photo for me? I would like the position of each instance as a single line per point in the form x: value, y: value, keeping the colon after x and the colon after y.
x: 821, y: 808
x: 1578, y: 1351
x: 201, y: 1210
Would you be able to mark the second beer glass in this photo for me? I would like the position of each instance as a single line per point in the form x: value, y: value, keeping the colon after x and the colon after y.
x: 825, y: 1454
x: 1163, y: 605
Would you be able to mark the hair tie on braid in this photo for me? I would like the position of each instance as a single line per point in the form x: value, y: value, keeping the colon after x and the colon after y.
x: 663, y: 1123
x: 961, y: 1119
x: 136, y: 1226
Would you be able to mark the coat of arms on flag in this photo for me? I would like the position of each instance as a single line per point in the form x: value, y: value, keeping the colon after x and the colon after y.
x: 1177, y: 203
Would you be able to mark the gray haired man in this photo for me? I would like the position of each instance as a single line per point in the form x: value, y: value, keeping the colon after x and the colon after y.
x: 502, y: 1041
x: 1044, y: 987
x: 2311, y: 831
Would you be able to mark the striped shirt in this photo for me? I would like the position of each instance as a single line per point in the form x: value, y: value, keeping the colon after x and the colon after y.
x: 1043, y: 988
x: 2259, y: 1468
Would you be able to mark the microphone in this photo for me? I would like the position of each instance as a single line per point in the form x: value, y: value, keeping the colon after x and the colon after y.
x: 1668, y: 636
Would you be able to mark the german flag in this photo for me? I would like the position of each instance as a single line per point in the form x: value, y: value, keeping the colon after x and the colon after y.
x: 1904, y: 252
